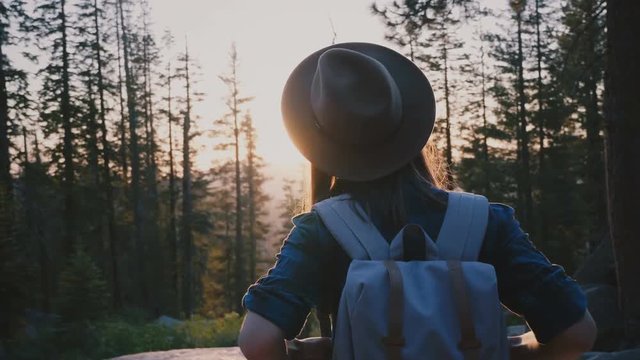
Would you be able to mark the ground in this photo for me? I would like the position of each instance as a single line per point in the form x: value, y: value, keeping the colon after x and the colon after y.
x: 232, y: 353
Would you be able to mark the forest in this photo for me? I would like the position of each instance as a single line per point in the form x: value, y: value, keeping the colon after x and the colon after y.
x: 109, y: 230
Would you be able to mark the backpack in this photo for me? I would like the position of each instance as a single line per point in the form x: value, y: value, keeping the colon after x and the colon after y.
x: 445, y: 307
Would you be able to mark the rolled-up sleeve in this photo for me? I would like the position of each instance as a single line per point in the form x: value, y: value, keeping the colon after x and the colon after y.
x: 529, y: 285
x: 291, y: 288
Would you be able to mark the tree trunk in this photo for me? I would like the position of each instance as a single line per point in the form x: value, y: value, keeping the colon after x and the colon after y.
x: 524, y: 180
x: 92, y: 138
x: 6, y: 188
x: 136, y: 200
x: 540, y: 117
x: 32, y: 220
x: 240, y: 271
x: 123, y: 122
x: 539, y: 95
x: 67, y: 149
x: 187, y: 206
x: 173, y: 238
x: 485, y: 146
x: 622, y: 119
x: 106, y: 163
x: 595, y: 166
x: 239, y: 248
x: 151, y: 193
x: 593, y: 124
x: 251, y: 199
x: 449, y: 150
x: 230, y: 295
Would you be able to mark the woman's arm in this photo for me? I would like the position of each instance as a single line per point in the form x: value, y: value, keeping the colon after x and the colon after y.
x: 278, y: 304
x: 260, y: 339
x: 569, y: 344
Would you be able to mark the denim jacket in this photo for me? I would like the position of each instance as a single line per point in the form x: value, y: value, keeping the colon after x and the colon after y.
x: 311, y: 268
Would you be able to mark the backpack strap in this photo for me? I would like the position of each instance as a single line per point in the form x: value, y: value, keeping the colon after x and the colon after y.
x: 464, y: 227
x: 352, y: 229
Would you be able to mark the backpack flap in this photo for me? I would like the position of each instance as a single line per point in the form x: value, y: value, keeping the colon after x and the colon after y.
x: 442, y: 314
x: 413, y: 232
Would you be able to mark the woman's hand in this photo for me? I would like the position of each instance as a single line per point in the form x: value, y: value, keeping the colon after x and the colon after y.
x: 524, y: 346
x: 569, y: 344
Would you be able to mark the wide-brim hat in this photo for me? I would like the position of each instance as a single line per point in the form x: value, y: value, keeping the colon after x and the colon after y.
x: 358, y: 111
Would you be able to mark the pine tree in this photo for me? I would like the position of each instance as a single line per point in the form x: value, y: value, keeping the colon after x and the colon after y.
x: 13, y: 23
x: 172, y: 230
x: 136, y: 194
x: 122, y: 128
x: 57, y: 106
x: 290, y: 206
x: 524, y: 173
x: 474, y: 169
x: 146, y: 57
x: 222, y: 173
x: 14, y: 101
x: 509, y: 90
x: 187, y: 200
x: 89, y: 177
x: 35, y: 185
x: 93, y: 45
x: 256, y: 199
x: 230, y: 124
x: 580, y: 74
x: 83, y: 290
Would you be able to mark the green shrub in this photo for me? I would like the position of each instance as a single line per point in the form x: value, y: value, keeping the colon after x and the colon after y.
x: 83, y: 291
x: 226, y: 329
x: 121, y: 336
x: 221, y: 332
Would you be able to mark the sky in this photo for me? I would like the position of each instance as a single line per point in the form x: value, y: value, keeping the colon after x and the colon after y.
x: 271, y: 37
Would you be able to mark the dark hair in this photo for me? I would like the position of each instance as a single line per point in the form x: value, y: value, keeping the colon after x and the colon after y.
x: 383, y: 198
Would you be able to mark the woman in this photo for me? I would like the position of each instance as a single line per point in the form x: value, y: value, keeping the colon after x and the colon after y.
x: 363, y: 113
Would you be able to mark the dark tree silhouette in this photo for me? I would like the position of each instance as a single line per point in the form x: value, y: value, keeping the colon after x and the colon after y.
x: 622, y: 124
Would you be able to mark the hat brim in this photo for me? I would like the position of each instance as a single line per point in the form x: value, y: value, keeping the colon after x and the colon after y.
x: 352, y: 162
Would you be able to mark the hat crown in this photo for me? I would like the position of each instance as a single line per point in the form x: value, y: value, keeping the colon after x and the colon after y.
x: 354, y: 98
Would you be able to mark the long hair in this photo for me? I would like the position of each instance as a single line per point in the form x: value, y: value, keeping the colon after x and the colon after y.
x: 383, y: 198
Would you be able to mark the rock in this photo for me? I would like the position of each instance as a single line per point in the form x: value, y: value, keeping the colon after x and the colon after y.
x: 233, y: 353
x: 36, y: 321
x: 168, y: 321
x: 230, y: 353
x: 633, y: 354
x: 603, y: 305
x: 599, y: 267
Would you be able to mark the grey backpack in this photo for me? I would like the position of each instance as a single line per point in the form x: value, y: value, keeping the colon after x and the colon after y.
x: 445, y: 307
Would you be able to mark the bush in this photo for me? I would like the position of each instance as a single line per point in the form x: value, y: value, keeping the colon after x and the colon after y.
x: 221, y: 332
x: 83, y: 291
x: 116, y: 338
x: 121, y: 336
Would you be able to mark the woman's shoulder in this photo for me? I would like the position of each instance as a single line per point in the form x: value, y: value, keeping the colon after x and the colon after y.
x: 502, y: 219
x: 504, y: 236
x: 309, y: 229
